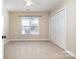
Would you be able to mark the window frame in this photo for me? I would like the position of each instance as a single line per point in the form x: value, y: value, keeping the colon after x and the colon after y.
x: 30, y: 26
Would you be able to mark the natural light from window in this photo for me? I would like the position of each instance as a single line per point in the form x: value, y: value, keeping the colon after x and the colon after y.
x: 30, y: 25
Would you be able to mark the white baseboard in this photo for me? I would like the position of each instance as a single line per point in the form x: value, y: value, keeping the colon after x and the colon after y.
x: 9, y: 40
x: 66, y: 51
x: 28, y: 39
x: 70, y: 53
x: 5, y: 42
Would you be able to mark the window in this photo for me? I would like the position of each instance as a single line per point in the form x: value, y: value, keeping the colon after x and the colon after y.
x: 30, y: 25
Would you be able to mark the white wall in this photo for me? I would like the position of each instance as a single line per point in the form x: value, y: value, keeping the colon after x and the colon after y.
x: 6, y: 23
x: 71, y: 22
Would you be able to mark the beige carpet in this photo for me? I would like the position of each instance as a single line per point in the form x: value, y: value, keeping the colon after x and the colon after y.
x: 34, y: 50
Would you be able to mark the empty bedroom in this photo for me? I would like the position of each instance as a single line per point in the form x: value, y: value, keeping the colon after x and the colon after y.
x: 39, y: 29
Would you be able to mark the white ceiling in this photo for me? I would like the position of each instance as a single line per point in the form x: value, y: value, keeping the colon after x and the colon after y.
x: 38, y: 5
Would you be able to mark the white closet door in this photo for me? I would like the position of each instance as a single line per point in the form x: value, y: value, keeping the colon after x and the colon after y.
x: 58, y: 29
